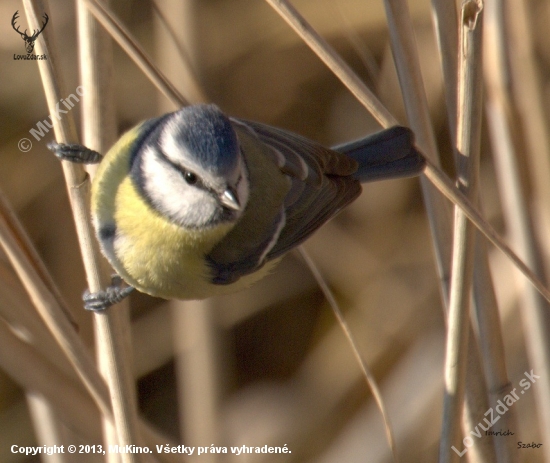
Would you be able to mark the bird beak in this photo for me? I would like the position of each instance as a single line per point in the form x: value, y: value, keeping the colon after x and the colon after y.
x: 229, y: 199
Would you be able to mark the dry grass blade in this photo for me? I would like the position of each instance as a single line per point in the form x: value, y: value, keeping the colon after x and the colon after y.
x: 435, y: 175
x: 406, y: 60
x: 99, y: 132
x: 529, y: 97
x: 370, y: 379
x: 432, y: 172
x: 77, y: 184
x: 491, y: 343
x: 41, y: 377
x: 281, y: 371
x: 445, y: 19
x: 333, y: 61
x: 15, y: 229
x: 47, y: 426
x: 187, y: 75
x: 468, y: 137
x: 51, y: 311
x: 64, y: 333
x: 444, y: 184
x: 508, y: 143
x: 131, y: 47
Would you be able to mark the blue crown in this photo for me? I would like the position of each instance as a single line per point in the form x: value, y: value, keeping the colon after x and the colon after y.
x: 208, y: 134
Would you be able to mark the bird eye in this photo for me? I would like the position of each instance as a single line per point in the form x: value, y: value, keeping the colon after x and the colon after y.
x: 190, y: 178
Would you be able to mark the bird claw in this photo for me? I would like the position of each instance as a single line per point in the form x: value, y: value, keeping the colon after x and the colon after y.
x: 74, y: 152
x: 111, y: 295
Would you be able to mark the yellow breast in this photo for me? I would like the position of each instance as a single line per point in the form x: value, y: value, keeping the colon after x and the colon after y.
x: 158, y: 256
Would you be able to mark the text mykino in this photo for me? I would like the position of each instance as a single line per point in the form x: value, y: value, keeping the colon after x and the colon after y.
x: 63, y: 106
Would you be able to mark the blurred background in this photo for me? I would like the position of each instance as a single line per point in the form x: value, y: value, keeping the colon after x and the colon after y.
x: 269, y: 365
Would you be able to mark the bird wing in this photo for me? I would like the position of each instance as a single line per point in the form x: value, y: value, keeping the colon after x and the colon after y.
x: 317, y: 182
x: 321, y: 183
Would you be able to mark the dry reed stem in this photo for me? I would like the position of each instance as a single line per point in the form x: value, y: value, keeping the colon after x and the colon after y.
x: 408, y: 68
x: 445, y: 186
x: 131, y: 47
x: 50, y: 311
x: 410, y: 78
x: 196, y: 350
x: 535, y: 310
x: 432, y: 172
x: 468, y: 135
x: 77, y: 183
x: 491, y: 344
x: 97, y: 84
x: 18, y: 312
x: 78, y: 186
x: 47, y: 426
x: 529, y: 96
x: 446, y: 30
x: 502, y: 117
x: 336, y: 64
x: 10, y: 226
x: 57, y: 322
x: 183, y: 40
x: 99, y: 133
x: 403, y: 44
x: 42, y: 377
x: 485, y: 304
x: 371, y: 380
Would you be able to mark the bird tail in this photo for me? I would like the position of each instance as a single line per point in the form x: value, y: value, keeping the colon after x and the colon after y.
x: 390, y: 153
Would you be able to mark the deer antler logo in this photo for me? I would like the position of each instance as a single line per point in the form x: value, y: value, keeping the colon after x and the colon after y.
x: 29, y: 41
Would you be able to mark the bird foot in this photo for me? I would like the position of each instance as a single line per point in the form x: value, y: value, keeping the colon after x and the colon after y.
x: 111, y: 295
x: 74, y: 153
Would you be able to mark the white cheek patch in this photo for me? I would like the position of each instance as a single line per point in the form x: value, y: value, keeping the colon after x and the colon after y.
x: 172, y: 196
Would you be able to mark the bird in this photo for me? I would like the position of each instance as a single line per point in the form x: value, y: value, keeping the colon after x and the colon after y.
x: 195, y: 203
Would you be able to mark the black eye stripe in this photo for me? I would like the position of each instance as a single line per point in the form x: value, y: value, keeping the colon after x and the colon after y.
x: 190, y: 177
x: 197, y: 182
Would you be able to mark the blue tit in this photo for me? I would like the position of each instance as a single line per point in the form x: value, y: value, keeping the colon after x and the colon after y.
x: 195, y: 203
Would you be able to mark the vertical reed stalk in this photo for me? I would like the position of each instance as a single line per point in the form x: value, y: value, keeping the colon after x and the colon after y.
x: 405, y: 55
x: 468, y: 136
x: 529, y: 97
x: 47, y: 426
x: 446, y: 30
x: 77, y: 184
x: 123, y: 37
x: 99, y: 133
x: 507, y: 142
